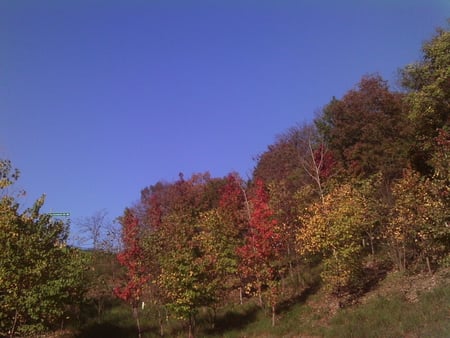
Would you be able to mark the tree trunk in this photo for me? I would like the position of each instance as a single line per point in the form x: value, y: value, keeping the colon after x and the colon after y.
x: 160, y: 322
x: 372, y: 248
x: 273, y: 315
x: 404, y: 256
x: 191, y: 326
x: 260, y: 296
x: 136, y: 316
x: 213, y: 317
x: 13, y: 329
x: 291, y: 272
x: 429, y: 265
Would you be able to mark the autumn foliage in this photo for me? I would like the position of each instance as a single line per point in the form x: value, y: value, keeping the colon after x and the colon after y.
x: 132, y: 259
x: 362, y: 188
x: 262, y: 246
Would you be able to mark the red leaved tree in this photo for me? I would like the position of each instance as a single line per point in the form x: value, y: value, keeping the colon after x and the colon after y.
x: 233, y: 204
x: 132, y: 258
x: 262, y: 250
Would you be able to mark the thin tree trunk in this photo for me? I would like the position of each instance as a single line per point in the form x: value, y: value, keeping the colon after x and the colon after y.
x: 160, y: 322
x: 429, y: 265
x: 260, y: 295
x: 13, y: 329
x: 191, y: 326
x: 138, y: 324
x: 291, y: 272
x: 404, y: 257
x: 247, y: 204
x: 213, y: 317
x: 273, y: 315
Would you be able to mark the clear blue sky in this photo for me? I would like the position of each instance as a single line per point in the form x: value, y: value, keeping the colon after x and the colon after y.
x: 99, y: 99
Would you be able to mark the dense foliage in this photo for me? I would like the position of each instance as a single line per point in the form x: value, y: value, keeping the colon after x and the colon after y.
x: 40, y: 276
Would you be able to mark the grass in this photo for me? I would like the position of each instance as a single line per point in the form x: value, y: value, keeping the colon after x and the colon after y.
x: 396, y: 317
x: 115, y: 322
x: 390, y: 315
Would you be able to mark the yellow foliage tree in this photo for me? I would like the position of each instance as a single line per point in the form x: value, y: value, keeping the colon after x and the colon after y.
x: 417, y: 230
x: 335, y: 228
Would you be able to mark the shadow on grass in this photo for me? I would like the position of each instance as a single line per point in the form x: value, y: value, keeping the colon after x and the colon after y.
x: 285, y: 306
x: 234, y: 320
x: 106, y: 330
x: 374, y: 274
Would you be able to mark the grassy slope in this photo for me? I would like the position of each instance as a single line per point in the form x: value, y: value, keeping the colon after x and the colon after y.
x: 400, y: 306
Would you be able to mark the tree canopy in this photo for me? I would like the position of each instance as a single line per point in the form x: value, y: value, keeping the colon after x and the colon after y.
x: 40, y: 276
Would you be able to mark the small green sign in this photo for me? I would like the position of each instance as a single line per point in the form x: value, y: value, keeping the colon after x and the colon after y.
x: 66, y: 214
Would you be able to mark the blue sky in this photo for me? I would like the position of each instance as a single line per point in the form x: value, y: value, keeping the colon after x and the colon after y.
x: 99, y: 99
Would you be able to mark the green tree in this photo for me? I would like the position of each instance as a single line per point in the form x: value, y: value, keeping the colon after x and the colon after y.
x: 217, y: 247
x: 172, y: 242
x: 183, y: 276
x: 428, y: 82
x: 39, y: 274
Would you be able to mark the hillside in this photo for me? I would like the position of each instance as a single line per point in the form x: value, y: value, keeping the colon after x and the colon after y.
x: 399, y: 306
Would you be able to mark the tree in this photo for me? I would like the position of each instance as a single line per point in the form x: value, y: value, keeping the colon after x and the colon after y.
x: 260, y: 255
x: 441, y: 188
x: 367, y: 130
x: 233, y: 205
x: 173, y: 246
x: 335, y: 229
x: 428, y: 98
x: 39, y: 274
x: 293, y: 160
x: 233, y: 213
x: 279, y: 162
x: 441, y: 161
x: 418, y: 230
x: 217, y: 244
x: 103, y: 271
x: 313, y: 156
x: 184, y: 274
x: 298, y: 163
x: 94, y: 227
x: 8, y: 175
x: 132, y: 258
x: 102, y: 233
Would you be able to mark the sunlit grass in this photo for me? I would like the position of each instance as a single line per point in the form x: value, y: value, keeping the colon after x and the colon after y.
x: 387, y: 316
x: 396, y: 317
